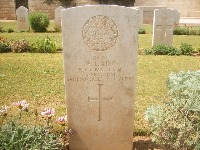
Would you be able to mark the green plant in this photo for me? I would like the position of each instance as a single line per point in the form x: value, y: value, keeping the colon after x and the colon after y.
x: 162, y: 50
x: 44, y: 46
x: 63, y: 2
x: 142, y: 31
x: 20, y: 46
x: 10, y: 30
x: 39, y: 21
x: 2, y: 29
x: 15, y: 136
x: 57, y: 29
x: 186, y: 49
x: 176, y: 123
x: 186, y: 31
x: 4, y: 45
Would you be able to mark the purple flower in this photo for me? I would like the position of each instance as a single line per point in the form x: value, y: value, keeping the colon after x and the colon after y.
x: 22, y: 105
x: 48, y: 112
x: 62, y: 120
x: 4, y: 110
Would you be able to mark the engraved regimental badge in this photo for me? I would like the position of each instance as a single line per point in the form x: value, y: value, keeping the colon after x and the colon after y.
x: 100, y: 33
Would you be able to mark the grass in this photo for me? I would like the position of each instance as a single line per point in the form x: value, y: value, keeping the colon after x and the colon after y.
x: 39, y: 77
x: 27, y: 75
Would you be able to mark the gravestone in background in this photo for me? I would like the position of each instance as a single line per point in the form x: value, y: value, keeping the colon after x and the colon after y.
x: 163, y: 25
x: 176, y: 17
x: 58, y: 16
x: 100, y: 59
x: 140, y: 16
x: 22, y: 18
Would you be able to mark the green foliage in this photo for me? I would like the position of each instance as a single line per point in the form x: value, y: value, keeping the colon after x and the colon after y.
x: 39, y: 21
x: 176, y: 123
x: 162, y: 50
x: 20, y: 46
x: 14, y: 136
x: 10, y: 30
x: 186, y: 49
x: 44, y: 46
x: 142, y: 31
x: 57, y: 29
x: 4, y: 46
x: 63, y: 2
x: 2, y: 29
x: 186, y: 31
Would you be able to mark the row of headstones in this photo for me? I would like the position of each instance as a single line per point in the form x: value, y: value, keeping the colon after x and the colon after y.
x: 163, y: 23
x: 22, y: 17
x: 100, y: 46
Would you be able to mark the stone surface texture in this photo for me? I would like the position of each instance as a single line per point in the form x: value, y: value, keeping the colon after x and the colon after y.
x: 40, y: 6
x: 163, y: 25
x: 148, y: 12
x: 7, y: 9
x: 58, y: 16
x: 187, y: 8
x: 22, y: 18
x: 100, y: 60
x: 140, y: 16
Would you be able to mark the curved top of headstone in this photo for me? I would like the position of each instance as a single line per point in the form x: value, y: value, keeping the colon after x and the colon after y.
x: 22, y: 8
x: 59, y: 8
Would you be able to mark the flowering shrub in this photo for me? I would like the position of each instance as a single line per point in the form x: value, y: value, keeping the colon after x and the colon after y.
x: 31, y: 137
x: 20, y: 46
x: 176, y: 123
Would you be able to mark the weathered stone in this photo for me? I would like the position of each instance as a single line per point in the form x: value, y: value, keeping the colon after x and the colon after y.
x: 22, y: 18
x: 140, y: 16
x: 58, y: 16
x: 100, y: 45
x: 163, y: 25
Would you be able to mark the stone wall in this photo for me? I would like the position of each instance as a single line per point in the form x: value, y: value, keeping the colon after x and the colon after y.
x: 84, y: 2
x: 40, y: 6
x: 188, y: 8
x: 7, y: 9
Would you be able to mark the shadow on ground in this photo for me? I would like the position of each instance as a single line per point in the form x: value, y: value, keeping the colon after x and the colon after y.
x: 145, y: 145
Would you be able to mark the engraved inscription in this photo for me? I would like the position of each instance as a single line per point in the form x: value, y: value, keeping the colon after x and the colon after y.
x: 100, y: 69
x: 100, y: 33
x: 100, y: 99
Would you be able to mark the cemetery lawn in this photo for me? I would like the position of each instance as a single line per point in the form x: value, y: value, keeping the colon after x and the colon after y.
x: 38, y: 78
x: 145, y: 40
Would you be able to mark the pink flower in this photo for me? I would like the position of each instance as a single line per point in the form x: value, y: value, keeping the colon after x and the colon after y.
x: 62, y: 120
x: 48, y: 112
x: 4, y: 110
x: 22, y: 105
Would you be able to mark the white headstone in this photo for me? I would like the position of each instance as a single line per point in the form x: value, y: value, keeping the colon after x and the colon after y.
x: 140, y: 16
x: 176, y: 17
x: 58, y: 16
x: 22, y: 18
x: 163, y: 25
x: 100, y: 45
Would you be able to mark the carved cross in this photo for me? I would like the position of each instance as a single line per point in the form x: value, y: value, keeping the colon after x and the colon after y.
x: 100, y: 99
x: 164, y: 27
